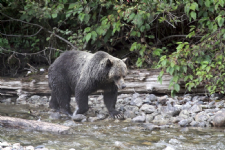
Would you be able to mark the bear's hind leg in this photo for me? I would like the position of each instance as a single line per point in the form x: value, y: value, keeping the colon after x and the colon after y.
x: 64, y: 101
x: 53, y: 104
x: 61, y: 98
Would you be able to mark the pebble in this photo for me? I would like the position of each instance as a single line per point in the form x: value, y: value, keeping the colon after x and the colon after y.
x: 78, y: 117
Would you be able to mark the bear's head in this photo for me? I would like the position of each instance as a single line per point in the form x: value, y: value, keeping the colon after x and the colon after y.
x: 117, y: 72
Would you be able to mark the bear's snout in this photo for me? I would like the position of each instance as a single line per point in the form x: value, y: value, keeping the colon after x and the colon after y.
x: 123, y: 86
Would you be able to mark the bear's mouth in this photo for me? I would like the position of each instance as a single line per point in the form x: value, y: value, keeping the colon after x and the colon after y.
x: 120, y: 84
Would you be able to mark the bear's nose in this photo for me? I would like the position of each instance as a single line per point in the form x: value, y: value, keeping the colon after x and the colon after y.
x: 123, y: 86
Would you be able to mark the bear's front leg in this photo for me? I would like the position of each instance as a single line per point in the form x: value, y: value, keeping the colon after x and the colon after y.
x: 110, y: 98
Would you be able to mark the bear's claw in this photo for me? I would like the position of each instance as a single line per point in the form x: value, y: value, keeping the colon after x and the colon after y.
x: 119, y: 116
x: 116, y: 115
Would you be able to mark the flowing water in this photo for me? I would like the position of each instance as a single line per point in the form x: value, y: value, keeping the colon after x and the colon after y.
x: 111, y: 135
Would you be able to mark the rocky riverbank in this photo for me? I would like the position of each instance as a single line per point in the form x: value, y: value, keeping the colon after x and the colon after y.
x: 151, y: 111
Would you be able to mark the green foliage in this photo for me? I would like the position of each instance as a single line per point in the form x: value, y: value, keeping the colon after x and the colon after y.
x: 199, y: 62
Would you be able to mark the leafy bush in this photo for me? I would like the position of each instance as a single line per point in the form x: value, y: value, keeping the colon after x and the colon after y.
x: 199, y: 62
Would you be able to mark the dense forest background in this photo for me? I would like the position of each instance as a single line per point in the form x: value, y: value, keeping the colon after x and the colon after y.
x: 184, y: 38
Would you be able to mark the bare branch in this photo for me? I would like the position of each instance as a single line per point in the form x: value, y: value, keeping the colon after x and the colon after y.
x: 37, y: 25
x: 22, y: 35
x: 172, y: 36
x: 29, y: 54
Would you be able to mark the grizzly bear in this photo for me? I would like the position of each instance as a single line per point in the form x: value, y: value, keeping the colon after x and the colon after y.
x: 82, y: 73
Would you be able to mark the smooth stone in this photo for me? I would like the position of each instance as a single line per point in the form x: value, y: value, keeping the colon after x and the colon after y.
x: 148, y: 109
x: 202, y: 116
x: 219, y: 119
x: 184, y: 122
x: 78, y: 117
x: 139, y: 119
x: 195, y: 109
x: 150, y: 126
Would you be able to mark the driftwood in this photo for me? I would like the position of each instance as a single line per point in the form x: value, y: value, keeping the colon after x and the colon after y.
x: 141, y: 81
x: 32, y: 125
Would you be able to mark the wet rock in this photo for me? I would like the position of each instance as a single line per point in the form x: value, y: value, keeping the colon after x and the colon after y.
x: 127, y: 120
x: 186, y: 106
x: 44, y: 100
x: 4, y: 144
x: 40, y: 147
x: 93, y: 119
x: 195, y: 109
x: 219, y: 119
x: 169, y: 111
x: 194, y: 123
x: 7, y: 148
x: 203, y: 98
x: 54, y: 115
x: 169, y: 147
x: 160, y: 120
x: 174, y: 141
x: 16, y: 146
x: 139, y: 119
x: 149, y: 118
x: 212, y: 104
x: 129, y: 114
x: 216, y: 96
x: 22, y: 99
x: 33, y: 99
x: 148, y: 109
x: 186, y: 98
x: 29, y: 148
x: 184, y: 114
x: 220, y: 104
x: 7, y: 100
x: 70, y: 123
x: 184, y: 122
x: 202, y: 124
x: 150, y: 126
x: 202, y: 116
x: 195, y: 98
x: 131, y: 108
x: 78, y: 117
x: 120, y: 145
x: 101, y: 116
x: 162, y: 100
x: 135, y: 95
x: 126, y: 101
x: 91, y: 112
x: 119, y: 101
x: 176, y: 119
x: 150, y: 98
x: 137, y: 102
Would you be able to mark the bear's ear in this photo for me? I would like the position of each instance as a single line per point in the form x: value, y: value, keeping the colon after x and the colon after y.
x: 125, y: 60
x: 108, y: 63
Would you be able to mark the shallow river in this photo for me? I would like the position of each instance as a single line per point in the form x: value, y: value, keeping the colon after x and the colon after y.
x: 110, y: 135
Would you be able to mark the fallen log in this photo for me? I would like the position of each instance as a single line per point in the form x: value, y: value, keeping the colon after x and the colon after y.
x: 32, y: 125
x: 140, y: 81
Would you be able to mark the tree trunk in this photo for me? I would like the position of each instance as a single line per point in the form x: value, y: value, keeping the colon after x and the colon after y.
x: 140, y: 81
x: 32, y: 125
